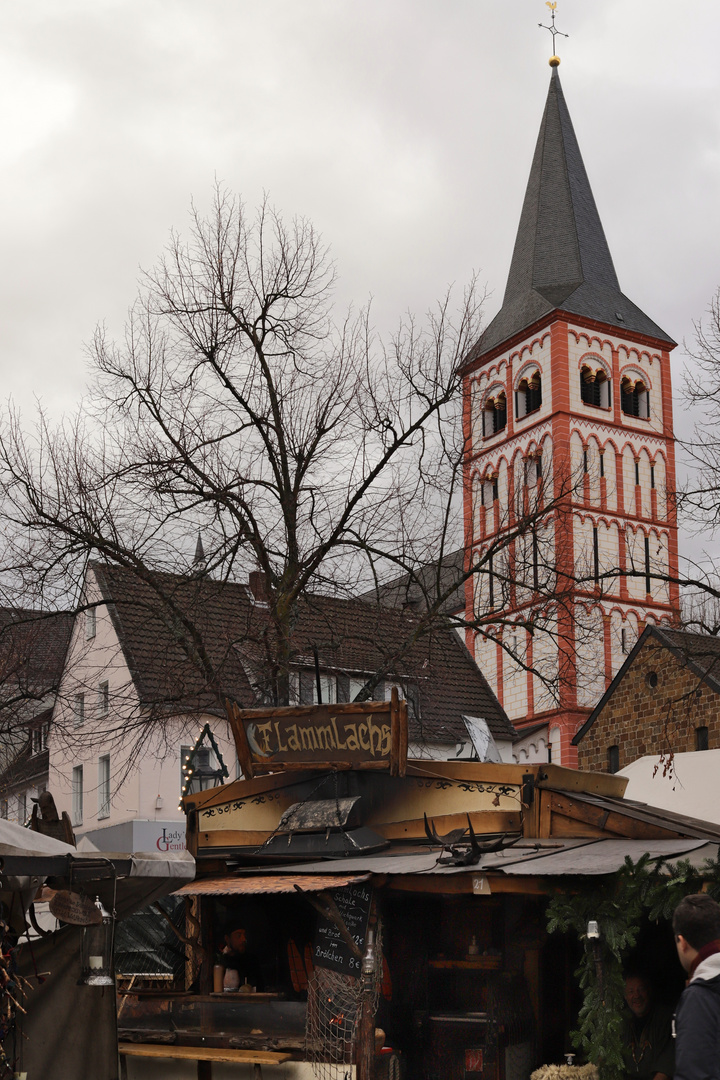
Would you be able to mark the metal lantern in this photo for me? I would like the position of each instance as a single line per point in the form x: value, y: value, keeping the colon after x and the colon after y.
x: 96, y: 956
x: 201, y: 776
x: 593, y: 930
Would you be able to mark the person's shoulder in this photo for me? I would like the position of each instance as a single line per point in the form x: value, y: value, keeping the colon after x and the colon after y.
x: 703, y: 992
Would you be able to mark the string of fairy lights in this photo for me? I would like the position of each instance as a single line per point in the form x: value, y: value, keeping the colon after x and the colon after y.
x: 188, y: 767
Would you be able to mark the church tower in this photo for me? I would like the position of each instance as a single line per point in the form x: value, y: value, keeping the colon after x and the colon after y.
x: 570, y: 452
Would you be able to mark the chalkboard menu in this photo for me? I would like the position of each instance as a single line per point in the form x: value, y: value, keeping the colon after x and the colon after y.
x: 353, y: 903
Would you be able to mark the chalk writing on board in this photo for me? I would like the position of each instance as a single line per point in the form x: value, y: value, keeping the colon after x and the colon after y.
x: 353, y: 903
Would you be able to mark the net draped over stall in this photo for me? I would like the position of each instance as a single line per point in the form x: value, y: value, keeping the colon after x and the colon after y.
x: 333, y: 1014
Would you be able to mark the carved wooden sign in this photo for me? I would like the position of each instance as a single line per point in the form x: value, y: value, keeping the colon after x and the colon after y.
x: 363, y: 735
x: 70, y: 907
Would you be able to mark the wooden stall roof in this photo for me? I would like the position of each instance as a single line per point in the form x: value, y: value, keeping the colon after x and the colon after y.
x: 233, y: 884
x: 563, y: 813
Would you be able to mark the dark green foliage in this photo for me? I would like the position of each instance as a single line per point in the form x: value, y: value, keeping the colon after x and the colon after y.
x: 645, y: 889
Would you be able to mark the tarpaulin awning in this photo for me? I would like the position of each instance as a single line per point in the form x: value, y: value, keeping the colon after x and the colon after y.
x: 268, y: 883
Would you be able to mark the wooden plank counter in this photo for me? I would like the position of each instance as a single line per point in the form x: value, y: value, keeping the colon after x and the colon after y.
x: 204, y: 1055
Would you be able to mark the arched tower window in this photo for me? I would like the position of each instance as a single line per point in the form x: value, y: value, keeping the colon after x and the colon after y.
x: 595, y: 387
x: 528, y: 396
x: 635, y: 398
x: 495, y: 414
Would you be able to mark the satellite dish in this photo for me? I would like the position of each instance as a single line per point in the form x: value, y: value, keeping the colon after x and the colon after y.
x: 482, y: 740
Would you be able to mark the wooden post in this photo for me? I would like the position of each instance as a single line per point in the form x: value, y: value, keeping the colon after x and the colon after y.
x: 394, y: 732
x: 242, y: 747
x: 402, y: 762
x: 366, y: 1036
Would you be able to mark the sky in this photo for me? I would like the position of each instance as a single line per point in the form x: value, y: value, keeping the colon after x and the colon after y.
x: 403, y: 128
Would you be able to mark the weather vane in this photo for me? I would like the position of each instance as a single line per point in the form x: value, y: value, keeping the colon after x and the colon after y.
x: 552, y: 4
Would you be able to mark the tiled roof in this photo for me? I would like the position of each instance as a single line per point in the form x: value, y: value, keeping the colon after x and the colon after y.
x: 232, y: 632
x: 561, y: 260
x: 32, y: 649
x: 419, y: 589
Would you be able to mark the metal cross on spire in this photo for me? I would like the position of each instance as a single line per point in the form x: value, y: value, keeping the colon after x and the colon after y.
x: 552, y: 4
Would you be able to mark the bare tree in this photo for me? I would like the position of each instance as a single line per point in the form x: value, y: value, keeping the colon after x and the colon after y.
x: 312, y: 453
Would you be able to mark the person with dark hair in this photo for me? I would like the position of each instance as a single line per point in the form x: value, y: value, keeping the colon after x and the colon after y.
x: 696, y: 926
x: 647, y: 1032
x: 236, y: 958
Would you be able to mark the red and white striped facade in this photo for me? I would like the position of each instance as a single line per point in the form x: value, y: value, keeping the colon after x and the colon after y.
x: 608, y: 477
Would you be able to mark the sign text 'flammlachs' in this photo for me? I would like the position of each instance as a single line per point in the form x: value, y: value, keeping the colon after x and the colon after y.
x: 366, y: 735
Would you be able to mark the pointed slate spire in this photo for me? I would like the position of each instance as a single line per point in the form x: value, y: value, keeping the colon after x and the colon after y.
x: 561, y: 258
x: 199, y: 560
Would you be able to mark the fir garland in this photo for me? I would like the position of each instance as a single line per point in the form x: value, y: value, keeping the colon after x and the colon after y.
x: 649, y: 889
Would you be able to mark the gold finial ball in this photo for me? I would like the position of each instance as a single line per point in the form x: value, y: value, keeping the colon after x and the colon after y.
x: 554, y: 61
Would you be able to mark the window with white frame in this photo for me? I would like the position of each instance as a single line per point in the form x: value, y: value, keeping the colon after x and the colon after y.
x: 36, y: 737
x: 328, y: 689
x: 358, y: 681
x: 104, y: 786
x: 77, y: 795
x: 79, y: 709
x: 3, y: 808
x: 22, y: 808
x: 90, y: 624
x: 103, y: 698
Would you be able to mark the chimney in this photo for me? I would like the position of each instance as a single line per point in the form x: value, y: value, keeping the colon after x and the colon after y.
x: 258, y: 586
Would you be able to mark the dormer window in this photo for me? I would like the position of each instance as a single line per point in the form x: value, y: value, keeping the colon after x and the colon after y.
x: 595, y: 387
x: 39, y: 737
x: 528, y: 396
x: 635, y: 398
x: 495, y: 414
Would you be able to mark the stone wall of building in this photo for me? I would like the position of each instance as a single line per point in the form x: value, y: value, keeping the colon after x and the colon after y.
x: 648, y: 715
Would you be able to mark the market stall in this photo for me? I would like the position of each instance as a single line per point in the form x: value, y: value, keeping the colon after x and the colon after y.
x: 387, y: 917
x: 57, y: 994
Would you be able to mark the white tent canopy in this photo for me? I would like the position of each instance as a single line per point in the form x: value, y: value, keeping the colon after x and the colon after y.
x: 688, y: 786
x: 132, y: 881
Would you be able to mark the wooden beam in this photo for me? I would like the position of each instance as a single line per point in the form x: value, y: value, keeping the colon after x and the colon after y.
x: 594, y: 783
x: 344, y: 709
x: 601, y: 820
x: 544, y: 813
x: 402, y: 765
x: 394, y: 733
x: 244, y: 789
x: 231, y: 838
x: 462, y: 884
x: 203, y: 1053
x: 483, y: 822
x: 242, y: 747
